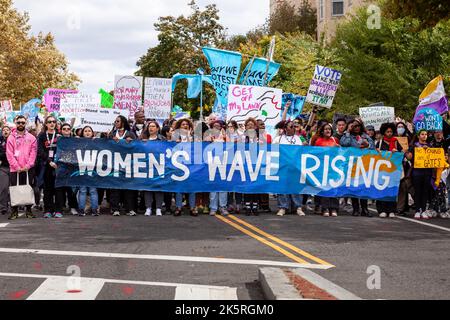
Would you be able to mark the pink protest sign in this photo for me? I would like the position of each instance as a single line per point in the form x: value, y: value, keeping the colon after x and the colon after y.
x: 52, y: 98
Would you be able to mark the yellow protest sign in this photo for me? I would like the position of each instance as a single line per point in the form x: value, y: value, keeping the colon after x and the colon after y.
x: 429, y: 158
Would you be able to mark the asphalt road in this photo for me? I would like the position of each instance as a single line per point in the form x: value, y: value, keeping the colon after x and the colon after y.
x: 168, y: 256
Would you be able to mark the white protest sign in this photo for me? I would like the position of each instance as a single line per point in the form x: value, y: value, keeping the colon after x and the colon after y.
x: 128, y: 93
x: 100, y: 119
x: 261, y: 103
x: 323, y: 87
x: 376, y: 116
x: 157, y: 98
x: 72, y: 105
x: 6, y: 105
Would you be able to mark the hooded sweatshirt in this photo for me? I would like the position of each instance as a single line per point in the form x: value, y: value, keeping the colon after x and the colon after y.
x: 21, y: 151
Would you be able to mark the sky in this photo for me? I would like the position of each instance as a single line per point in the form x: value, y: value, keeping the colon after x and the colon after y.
x: 103, y: 38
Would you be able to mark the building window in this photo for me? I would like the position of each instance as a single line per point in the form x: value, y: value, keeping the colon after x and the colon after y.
x: 321, y: 9
x: 338, y: 8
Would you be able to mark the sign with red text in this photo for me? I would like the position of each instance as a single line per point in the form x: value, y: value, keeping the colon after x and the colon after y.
x: 157, y: 98
x: 261, y: 103
x: 323, y: 87
x: 128, y: 93
x: 73, y: 104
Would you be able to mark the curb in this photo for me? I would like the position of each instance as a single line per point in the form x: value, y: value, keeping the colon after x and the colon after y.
x: 276, y: 285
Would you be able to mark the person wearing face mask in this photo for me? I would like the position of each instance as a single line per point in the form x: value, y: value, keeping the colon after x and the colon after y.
x: 139, y: 124
x: 65, y: 194
x: 4, y: 171
x: 21, y: 150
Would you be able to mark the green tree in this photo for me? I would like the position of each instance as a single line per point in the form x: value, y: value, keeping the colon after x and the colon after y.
x: 28, y: 64
x: 391, y: 64
x: 180, y: 47
x: 287, y: 18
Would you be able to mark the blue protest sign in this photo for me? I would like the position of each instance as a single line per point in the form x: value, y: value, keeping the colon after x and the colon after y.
x: 257, y: 74
x: 297, y: 104
x: 428, y: 119
x: 221, y: 167
x: 31, y: 108
x: 195, y: 83
x: 225, y: 68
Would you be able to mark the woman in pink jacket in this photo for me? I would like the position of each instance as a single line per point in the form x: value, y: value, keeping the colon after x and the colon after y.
x: 21, y: 150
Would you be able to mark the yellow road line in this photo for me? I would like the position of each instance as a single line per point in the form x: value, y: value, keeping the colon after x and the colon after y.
x: 283, y: 243
x: 262, y: 240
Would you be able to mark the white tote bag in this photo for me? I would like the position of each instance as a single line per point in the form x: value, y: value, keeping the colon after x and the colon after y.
x: 21, y: 195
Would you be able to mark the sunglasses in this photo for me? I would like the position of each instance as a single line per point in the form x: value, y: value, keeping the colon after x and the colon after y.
x: 50, y: 122
x: 66, y: 129
x: 20, y: 123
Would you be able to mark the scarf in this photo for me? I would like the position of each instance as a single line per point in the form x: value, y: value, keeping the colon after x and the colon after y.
x: 392, y: 142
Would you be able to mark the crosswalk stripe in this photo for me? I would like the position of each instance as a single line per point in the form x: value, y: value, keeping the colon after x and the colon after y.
x: 196, y: 293
x: 3, y: 225
x: 60, y: 289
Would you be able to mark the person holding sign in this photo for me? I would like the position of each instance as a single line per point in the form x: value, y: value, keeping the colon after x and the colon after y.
x: 388, y: 143
x: 357, y: 137
x: 47, y: 142
x: 421, y: 177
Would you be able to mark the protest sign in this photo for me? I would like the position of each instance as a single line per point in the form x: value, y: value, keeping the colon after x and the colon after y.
x: 31, y: 109
x: 433, y: 97
x: 107, y: 100
x: 323, y: 86
x: 128, y: 93
x: 243, y: 168
x: 6, y: 105
x: 52, y: 98
x: 10, y: 116
x: 297, y: 104
x: 429, y: 158
x: 72, y: 105
x: 255, y: 76
x: 403, y: 141
x: 428, y: 119
x: 261, y: 103
x: 225, y: 68
x: 181, y: 115
x: 376, y: 116
x: 100, y: 119
x: 157, y: 98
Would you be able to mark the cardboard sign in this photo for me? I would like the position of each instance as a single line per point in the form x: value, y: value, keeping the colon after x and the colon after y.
x: 323, y: 87
x: 128, y: 93
x: 403, y: 141
x: 429, y: 158
x: 52, y: 98
x: 157, y: 98
x: 376, y: 116
x: 261, y: 103
x: 428, y: 119
x: 100, y: 119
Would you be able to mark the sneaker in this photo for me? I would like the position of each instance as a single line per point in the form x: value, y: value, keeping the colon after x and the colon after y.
x: 194, y: 212
x: 82, y: 213
x: 148, y: 213
x: 392, y: 215
x: 132, y: 214
x: 334, y: 213
x: 58, y: 215
x: 30, y: 215
x: 96, y: 213
x: 47, y: 215
x: 212, y: 213
x: 225, y: 212
x: 13, y: 216
x: 206, y: 210
x: 300, y: 212
x: 425, y: 216
x: 281, y: 212
x: 383, y: 215
x: 158, y: 213
x: 116, y: 214
x: 417, y: 216
x: 74, y: 211
x: 326, y: 213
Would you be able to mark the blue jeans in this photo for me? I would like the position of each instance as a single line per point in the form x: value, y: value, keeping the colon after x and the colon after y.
x: 179, y: 200
x: 218, y: 200
x: 284, y: 200
x: 82, y: 198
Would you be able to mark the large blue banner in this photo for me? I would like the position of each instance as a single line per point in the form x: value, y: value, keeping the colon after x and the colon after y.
x: 225, y: 68
x: 258, y: 72
x: 244, y: 168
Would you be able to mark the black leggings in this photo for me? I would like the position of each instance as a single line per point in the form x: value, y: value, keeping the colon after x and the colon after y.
x: 421, y: 185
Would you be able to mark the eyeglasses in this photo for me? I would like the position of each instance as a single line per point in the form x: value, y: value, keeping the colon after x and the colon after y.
x: 66, y: 129
x: 21, y: 123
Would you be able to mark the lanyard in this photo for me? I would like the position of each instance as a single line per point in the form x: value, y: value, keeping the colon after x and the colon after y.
x: 53, y: 139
